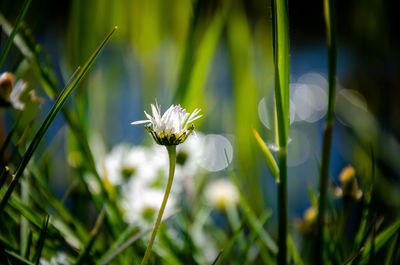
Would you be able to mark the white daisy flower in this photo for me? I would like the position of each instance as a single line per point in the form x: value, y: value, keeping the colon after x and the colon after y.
x: 170, y: 128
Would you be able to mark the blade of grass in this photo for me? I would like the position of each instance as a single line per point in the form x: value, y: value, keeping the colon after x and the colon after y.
x: 79, y: 229
x: 17, y: 257
x: 229, y: 246
x: 8, y: 139
x: 118, y: 246
x: 194, y: 96
x: 83, y: 256
x: 4, y: 174
x: 268, y: 158
x: 14, y: 32
x: 354, y: 256
x: 217, y: 257
x: 186, y: 66
x: 27, y: 251
x: 294, y: 252
x: 24, y: 225
x: 240, y: 42
x: 253, y: 237
x: 251, y: 218
x: 330, y: 22
x: 379, y: 242
x: 391, y: 251
x: 42, y: 238
x: 49, y: 119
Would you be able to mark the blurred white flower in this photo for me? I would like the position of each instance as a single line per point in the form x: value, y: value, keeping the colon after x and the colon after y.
x: 141, y: 203
x: 9, y: 93
x: 222, y: 193
x: 123, y: 162
x: 59, y: 259
x: 15, y: 95
x: 171, y: 127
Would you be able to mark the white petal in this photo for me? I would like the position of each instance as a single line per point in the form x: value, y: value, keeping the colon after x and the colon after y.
x: 140, y: 122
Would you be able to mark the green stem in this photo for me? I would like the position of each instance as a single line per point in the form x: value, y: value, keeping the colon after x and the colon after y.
x: 282, y: 206
x: 172, y: 157
x: 281, y: 77
x: 329, y: 10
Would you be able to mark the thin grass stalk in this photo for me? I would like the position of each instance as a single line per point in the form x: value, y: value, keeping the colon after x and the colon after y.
x: 281, y: 76
x: 172, y: 160
x: 14, y: 32
x: 330, y: 21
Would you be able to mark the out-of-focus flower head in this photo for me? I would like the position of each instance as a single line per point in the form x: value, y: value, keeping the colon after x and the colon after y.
x: 170, y: 128
x: 222, y: 194
x: 141, y: 203
x: 124, y: 162
x: 10, y: 93
x: 59, y: 259
x: 348, y: 188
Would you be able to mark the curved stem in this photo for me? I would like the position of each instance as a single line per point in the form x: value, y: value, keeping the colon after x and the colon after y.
x: 172, y: 157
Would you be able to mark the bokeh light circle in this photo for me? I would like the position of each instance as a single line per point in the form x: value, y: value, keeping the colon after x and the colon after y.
x: 217, y: 154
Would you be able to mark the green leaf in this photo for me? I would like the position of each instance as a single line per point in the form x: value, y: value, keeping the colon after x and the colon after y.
x: 49, y: 119
x: 268, y: 158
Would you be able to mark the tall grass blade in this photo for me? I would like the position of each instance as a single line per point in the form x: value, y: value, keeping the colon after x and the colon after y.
x: 17, y: 257
x: 391, y: 251
x: 330, y: 21
x: 240, y: 44
x: 49, y: 119
x: 264, y: 217
x: 120, y: 245
x: 280, y: 24
x: 83, y: 256
x: 4, y: 174
x: 229, y: 246
x: 13, y: 33
x: 294, y: 252
x: 252, y: 220
x: 217, y: 258
x: 42, y: 238
x: 379, y: 242
x: 206, y: 49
